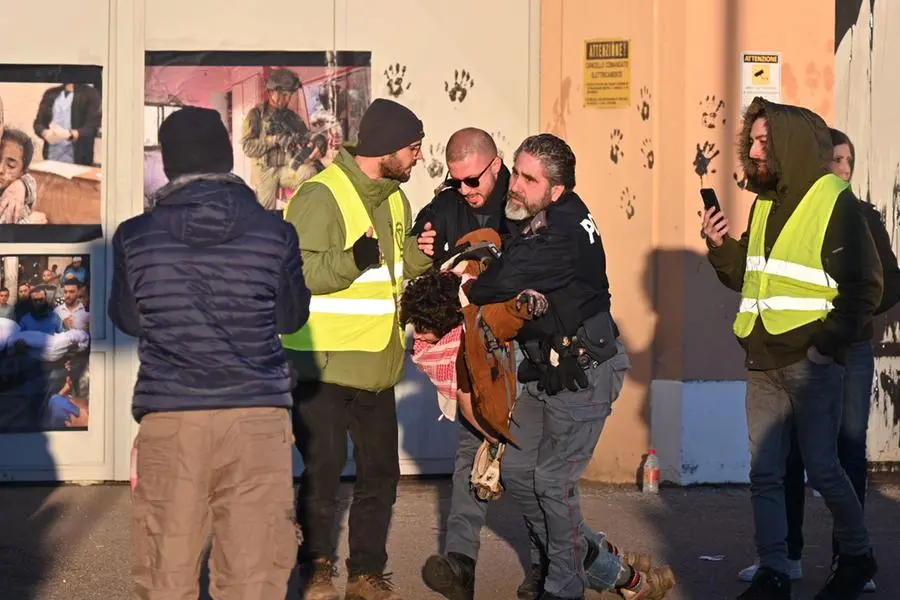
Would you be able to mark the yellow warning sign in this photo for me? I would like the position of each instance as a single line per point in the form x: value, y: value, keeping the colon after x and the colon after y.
x: 607, y: 73
x: 760, y: 75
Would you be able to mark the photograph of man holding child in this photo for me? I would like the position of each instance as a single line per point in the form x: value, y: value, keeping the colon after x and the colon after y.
x: 50, y: 153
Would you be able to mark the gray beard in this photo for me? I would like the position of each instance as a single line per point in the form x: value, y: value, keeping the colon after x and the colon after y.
x: 516, y: 213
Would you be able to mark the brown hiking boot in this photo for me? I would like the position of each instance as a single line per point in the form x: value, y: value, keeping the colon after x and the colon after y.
x: 635, y: 560
x: 371, y: 587
x: 651, y: 585
x: 319, y: 585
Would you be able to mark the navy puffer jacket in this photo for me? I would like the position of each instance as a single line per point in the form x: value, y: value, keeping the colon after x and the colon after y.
x: 206, y: 281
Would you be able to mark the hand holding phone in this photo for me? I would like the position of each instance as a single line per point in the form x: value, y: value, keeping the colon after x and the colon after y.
x: 715, y: 224
x: 710, y: 200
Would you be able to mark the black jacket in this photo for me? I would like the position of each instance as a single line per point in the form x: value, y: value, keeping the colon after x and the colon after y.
x: 86, y: 107
x: 206, y: 281
x: 889, y: 269
x: 451, y: 217
x: 564, y: 260
x: 799, y: 153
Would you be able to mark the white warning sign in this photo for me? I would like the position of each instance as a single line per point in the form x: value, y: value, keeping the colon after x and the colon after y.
x: 760, y: 76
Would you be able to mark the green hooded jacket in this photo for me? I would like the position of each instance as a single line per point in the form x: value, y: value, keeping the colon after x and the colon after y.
x: 799, y: 152
x: 328, y: 268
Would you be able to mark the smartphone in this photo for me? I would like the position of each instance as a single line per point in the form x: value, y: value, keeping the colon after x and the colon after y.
x: 710, y: 200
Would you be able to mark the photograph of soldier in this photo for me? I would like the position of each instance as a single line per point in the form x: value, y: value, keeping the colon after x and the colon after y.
x: 279, y: 142
x: 287, y: 113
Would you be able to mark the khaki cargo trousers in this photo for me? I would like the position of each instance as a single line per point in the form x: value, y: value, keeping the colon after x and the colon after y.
x: 225, y: 472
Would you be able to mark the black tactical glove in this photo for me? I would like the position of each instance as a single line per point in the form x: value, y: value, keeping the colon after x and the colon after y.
x: 535, y: 301
x: 567, y: 374
x: 528, y: 372
x: 366, y: 252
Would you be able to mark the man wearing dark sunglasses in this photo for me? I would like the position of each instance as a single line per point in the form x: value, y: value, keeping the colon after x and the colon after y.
x: 472, y: 196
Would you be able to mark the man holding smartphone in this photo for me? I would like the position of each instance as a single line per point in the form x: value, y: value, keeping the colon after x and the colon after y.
x: 809, y: 276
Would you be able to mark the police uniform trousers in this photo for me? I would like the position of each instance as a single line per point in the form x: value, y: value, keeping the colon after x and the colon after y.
x: 559, y: 434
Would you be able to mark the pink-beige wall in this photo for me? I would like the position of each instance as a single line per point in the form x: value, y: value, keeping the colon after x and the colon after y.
x: 674, y: 316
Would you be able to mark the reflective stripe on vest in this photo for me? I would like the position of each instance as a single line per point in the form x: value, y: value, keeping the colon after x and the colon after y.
x: 364, y: 316
x: 790, y: 289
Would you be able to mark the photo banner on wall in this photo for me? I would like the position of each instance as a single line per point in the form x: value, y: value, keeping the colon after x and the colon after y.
x: 45, y: 343
x: 50, y: 153
x: 287, y: 113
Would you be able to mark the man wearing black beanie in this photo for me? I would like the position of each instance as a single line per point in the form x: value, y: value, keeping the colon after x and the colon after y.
x: 206, y: 280
x: 352, y: 220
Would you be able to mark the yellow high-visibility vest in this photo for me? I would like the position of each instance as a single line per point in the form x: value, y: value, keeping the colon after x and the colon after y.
x: 364, y: 316
x: 790, y: 289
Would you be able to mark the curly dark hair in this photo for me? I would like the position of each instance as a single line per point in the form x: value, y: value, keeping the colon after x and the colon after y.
x: 430, y: 302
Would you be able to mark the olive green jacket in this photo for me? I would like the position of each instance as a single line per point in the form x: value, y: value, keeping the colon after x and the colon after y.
x: 328, y: 268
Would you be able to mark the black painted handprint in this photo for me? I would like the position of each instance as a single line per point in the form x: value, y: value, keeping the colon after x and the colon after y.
x: 626, y: 203
x: 501, y: 142
x: 647, y: 151
x: 435, y: 166
x: 740, y: 181
x: 615, y: 150
x: 703, y: 158
x: 644, y: 105
x: 712, y: 109
x: 394, y: 76
x: 462, y: 83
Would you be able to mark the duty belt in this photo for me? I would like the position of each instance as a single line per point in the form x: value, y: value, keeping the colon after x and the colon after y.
x: 533, y: 352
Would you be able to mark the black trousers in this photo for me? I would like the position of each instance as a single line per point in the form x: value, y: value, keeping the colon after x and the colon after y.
x: 323, y: 415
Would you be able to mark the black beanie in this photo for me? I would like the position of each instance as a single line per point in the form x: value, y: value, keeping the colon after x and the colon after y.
x: 194, y: 140
x: 387, y: 127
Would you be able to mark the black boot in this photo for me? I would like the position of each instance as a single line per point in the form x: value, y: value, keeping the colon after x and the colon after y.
x: 533, y: 585
x: 849, y: 577
x: 452, y: 576
x: 768, y: 584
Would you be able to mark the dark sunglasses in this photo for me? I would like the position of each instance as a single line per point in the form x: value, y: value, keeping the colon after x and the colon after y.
x: 472, y: 182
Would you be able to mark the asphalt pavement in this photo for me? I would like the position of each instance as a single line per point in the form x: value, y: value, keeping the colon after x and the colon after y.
x: 73, y: 542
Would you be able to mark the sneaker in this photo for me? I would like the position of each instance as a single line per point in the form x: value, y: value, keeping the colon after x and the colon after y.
x: 651, y: 585
x: 451, y: 576
x: 371, y: 587
x: 870, y: 587
x: 533, y: 584
x: 795, y: 571
x: 768, y: 584
x: 849, y: 577
x: 319, y: 586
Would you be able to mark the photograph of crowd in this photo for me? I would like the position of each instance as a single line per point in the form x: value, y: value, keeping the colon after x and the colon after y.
x: 287, y: 112
x: 50, y: 151
x: 45, y: 343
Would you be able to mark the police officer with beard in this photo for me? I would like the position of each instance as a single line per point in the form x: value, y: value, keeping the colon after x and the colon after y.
x: 573, y: 371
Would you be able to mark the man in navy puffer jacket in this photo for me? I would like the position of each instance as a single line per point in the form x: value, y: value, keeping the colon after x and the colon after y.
x: 206, y: 280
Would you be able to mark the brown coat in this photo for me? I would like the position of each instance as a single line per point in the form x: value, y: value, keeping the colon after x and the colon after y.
x: 492, y: 374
